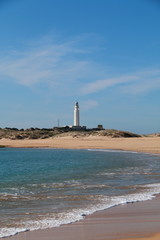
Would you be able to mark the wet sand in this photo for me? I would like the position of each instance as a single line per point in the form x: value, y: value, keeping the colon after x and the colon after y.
x: 139, y: 220
x: 130, y: 221
x: 144, y: 144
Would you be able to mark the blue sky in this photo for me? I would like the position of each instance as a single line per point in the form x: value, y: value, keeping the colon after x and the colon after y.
x: 105, y: 54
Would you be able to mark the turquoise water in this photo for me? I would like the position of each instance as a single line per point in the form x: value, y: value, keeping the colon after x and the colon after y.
x: 41, y: 188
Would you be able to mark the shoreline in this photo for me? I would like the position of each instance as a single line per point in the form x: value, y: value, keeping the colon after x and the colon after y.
x: 144, y: 144
x: 140, y: 220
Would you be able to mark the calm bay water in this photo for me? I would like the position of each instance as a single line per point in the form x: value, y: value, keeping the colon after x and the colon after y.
x: 41, y: 188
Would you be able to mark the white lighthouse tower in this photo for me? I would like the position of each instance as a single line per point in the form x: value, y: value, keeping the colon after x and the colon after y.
x: 76, y: 115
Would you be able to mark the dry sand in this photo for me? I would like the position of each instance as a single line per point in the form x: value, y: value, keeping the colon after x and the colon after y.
x: 130, y: 221
x: 144, y: 144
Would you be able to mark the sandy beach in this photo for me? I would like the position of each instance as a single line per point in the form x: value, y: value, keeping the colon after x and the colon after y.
x: 130, y: 221
x: 143, y: 144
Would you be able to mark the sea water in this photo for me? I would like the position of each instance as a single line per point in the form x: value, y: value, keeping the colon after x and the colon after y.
x: 43, y: 188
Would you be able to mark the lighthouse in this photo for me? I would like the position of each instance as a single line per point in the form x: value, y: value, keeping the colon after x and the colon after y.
x: 76, y: 115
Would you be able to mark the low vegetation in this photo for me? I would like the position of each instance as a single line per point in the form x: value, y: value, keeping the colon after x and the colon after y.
x: 37, y: 133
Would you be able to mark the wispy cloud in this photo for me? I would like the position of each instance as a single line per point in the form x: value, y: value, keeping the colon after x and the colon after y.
x: 62, y: 64
x: 138, y: 82
x: 66, y: 66
x: 49, y: 63
x: 59, y: 65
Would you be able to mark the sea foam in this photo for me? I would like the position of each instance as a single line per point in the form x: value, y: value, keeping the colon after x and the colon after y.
x: 148, y: 192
